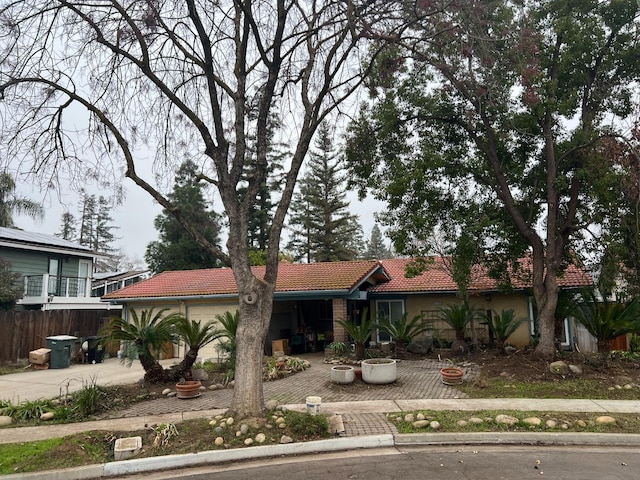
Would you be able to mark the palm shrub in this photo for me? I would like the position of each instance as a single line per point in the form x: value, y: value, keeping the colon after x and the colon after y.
x: 402, y: 331
x: 143, y: 337
x: 503, y: 325
x: 607, y: 320
x: 359, y: 333
x: 458, y: 317
x: 195, y: 335
x: 229, y: 322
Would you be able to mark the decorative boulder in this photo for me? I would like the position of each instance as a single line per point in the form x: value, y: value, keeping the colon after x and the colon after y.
x: 421, y: 346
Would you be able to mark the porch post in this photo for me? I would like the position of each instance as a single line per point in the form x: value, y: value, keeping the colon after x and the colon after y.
x: 339, y: 313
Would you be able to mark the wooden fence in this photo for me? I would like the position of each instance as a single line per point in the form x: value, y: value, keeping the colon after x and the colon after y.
x: 26, y: 330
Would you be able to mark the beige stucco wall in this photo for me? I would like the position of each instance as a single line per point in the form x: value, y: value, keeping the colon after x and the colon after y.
x: 419, y: 304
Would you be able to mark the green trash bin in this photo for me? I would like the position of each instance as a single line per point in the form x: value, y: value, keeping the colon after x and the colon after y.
x: 61, y: 347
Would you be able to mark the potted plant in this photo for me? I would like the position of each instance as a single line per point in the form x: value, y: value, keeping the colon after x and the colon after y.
x: 188, y: 389
x: 403, y: 332
x: 451, y: 375
x: 359, y: 333
x: 379, y: 370
x: 338, y: 348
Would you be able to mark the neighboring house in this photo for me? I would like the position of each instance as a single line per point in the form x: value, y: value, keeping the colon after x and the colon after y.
x: 310, y: 298
x: 107, y: 282
x: 56, y: 273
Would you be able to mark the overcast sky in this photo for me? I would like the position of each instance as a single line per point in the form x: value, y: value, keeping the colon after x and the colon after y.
x: 135, y: 217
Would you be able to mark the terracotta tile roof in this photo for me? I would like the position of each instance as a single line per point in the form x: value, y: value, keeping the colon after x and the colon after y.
x: 436, y: 278
x: 292, y: 277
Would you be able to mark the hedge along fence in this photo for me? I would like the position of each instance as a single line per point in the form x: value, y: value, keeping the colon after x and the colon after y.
x: 22, y: 331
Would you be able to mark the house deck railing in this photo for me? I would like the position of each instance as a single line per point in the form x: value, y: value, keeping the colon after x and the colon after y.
x: 48, y: 286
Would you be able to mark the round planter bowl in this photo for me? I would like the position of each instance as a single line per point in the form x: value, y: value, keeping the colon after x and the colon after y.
x: 343, y: 374
x: 379, y: 370
x: 188, y: 389
x: 451, y: 375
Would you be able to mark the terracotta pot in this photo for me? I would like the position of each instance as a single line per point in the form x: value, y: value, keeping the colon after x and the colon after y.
x: 188, y: 389
x: 451, y: 375
x: 358, y: 372
x: 343, y: 374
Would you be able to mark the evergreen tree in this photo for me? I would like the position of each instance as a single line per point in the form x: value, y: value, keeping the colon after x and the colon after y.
x: 261, y: 212
x: 323, y: 229
x: 177, y: 249
x: 68, y: 227
x: 376, y: 249
x: 87, y: 218
x: 103, y: 235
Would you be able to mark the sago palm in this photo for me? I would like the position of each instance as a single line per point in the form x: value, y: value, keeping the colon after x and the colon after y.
x: 503, y: 325
x: 402, y: 331
x: 143, y: 337
x: 195, y: 335
x: 359, y: 333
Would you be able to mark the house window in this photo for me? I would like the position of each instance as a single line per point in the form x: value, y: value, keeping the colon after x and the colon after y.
x: 84, y: 274
x: 388, y: 309
x: 54, y: 276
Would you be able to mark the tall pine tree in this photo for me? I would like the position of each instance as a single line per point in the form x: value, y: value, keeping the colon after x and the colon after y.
x: 68, y: 227
x: 376, y: 249
x: 176, y: 249
x: 323, y: 229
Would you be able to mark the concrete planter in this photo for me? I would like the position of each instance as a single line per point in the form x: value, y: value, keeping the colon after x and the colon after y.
x: 343, y: 374
x: 379, y: 370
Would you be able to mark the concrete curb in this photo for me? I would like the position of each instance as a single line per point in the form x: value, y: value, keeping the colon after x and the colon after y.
x: 141, y: 465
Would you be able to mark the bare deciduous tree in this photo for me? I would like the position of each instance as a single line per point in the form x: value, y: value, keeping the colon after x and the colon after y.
x: 160, y: 81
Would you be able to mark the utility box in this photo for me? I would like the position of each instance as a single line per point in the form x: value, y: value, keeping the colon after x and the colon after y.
x: 40, y: 356
x: 61, y: 347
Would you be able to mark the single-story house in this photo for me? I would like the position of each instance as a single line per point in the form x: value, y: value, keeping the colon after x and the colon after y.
x: 310, y: 298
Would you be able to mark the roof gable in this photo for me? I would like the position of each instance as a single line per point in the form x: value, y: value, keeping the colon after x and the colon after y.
x: 292, y: 277
x: 436, y: 278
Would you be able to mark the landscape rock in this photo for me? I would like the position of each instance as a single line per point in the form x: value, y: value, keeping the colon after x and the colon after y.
x: 218, y: 441
x: 420, y: 416
x: 271, y: 404
x: 605, y: 420
x: 5, y: 420
x: 166, y: 391
x: 576, y: 369
x: 420, y: 423
x: 248, y: 441
x: 506, y: 419
x: 421, y: 346
x: 462, y: 423
x: 532, y: 421
x: 435, y: 425
x: 551, y: 423
x: 409, y: 418
x: 172, y: 394
x: 47, y: 416
x: 286, y: 439
x: 244, y: 428
x: 559, y: 367
x: 199, y: 374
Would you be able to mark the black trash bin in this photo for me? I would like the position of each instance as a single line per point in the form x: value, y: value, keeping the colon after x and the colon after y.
x: 61, y: 347
x: 95, y: 351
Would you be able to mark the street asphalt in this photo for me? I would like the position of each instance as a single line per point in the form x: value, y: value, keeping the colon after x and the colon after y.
x: 363, y: 412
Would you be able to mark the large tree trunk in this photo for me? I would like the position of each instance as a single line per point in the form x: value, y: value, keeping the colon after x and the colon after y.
x: 256, y: 305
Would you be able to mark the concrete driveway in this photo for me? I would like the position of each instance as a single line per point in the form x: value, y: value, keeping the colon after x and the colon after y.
x: 45, y: 384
